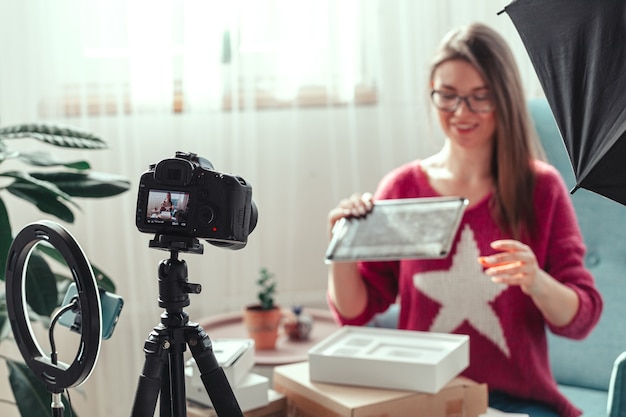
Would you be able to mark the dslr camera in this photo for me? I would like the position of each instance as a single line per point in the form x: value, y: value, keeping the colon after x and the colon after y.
x: 185, y: 197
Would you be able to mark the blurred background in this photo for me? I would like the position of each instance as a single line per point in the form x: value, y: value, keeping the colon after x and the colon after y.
x: 309, y: 101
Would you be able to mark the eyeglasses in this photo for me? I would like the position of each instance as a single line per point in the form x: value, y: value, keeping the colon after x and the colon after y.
x: 449, y: 102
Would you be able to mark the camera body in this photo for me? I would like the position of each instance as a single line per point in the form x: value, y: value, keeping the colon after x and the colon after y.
x: 184, y: 196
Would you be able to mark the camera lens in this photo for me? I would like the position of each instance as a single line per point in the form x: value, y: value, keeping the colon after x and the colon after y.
x: 254, y: 215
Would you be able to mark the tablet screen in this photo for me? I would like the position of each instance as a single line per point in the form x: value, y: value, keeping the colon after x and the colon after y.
x: 399, y: 229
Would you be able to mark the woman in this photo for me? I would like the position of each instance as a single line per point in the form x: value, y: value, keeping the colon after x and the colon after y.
x: 167, y: 204
x: 516, y: 266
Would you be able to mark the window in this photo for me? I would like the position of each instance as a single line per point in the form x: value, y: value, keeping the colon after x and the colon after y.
x: 183, y: 55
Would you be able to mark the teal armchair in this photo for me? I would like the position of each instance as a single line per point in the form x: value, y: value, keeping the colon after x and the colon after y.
x: 590, y: 369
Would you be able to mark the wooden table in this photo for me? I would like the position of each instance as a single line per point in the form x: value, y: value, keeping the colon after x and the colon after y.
x: 230, y: 325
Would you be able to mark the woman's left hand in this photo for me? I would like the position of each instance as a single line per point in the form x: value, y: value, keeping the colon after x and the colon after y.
x: 515, y: 264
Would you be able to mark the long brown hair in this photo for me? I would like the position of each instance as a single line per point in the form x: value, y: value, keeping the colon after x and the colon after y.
x: 515, y: 142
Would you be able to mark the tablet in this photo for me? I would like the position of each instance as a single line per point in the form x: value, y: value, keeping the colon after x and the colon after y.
x: 415, y: 228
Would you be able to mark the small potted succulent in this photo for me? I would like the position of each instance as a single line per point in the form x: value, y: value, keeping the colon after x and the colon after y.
x: 298, y: 325
x: 262, y: 319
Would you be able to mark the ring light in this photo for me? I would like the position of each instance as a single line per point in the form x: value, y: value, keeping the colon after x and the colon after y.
x: 56, y: 376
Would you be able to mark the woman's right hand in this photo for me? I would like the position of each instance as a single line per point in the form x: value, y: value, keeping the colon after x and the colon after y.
x: 346, y: 288
x: 357, y: 205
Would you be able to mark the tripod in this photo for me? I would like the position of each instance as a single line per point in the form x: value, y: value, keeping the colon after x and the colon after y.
x: 163, y: 371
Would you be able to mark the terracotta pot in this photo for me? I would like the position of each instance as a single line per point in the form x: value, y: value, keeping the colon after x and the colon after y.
x: 262, y: 325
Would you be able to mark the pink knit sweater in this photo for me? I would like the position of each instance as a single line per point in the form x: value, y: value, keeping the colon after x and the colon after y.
x: 508, y: 348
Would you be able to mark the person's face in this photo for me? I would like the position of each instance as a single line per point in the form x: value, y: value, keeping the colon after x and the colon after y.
x: 463, y: 126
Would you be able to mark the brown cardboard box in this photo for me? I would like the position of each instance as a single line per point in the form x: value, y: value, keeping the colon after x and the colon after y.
x: 459, y: 398
x: 277, y: 407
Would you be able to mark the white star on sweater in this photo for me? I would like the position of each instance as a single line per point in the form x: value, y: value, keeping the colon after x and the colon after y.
x: 464, y: 293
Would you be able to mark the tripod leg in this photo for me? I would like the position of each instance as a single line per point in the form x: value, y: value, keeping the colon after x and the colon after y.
x: 212, y: 375
x: 165, y: 398
x: 178, y: 402
x: 147, y: 394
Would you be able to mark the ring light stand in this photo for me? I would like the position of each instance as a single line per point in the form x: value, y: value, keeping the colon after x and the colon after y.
x: 56, y: 376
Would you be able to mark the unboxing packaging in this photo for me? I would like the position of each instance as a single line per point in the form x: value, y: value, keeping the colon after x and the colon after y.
x: 236, y: 358
x: 459, y: 398
x: 389, y: 358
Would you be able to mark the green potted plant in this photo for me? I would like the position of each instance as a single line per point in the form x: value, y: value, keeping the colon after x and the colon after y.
x: 262, y: 319
x: 53, y: 189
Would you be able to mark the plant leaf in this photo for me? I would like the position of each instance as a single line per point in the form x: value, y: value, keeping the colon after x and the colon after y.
x: 86, y: 184
x: 44, y: 200
x: 5, y: 325
x: 6, y: 238
x: 45, y: 159
x: 57, y: 135
x: 41, y: 288
x: 4, y: 154
x: 102, y: 279
x: 32, y: 182
x: 31, y: 395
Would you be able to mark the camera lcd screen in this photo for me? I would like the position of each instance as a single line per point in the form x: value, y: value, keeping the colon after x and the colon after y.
x: 167, y: 207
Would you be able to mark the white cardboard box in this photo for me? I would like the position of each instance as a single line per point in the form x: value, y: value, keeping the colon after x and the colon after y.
x: 251, y: 392
x: 235, y: 356
x: 389, y: 358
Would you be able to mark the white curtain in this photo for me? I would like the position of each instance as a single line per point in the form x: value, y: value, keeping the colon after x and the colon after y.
x: 309, y: 101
